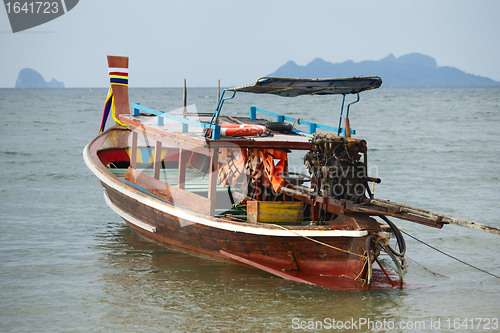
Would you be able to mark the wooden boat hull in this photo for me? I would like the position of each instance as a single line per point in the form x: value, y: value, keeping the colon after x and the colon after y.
x: 177, y: 233
x: 298, y: 254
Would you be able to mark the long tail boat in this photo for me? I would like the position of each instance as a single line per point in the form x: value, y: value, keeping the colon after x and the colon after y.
x: 226, y: 188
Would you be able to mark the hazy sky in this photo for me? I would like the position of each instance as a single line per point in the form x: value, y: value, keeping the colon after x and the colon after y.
x: 239, y: 41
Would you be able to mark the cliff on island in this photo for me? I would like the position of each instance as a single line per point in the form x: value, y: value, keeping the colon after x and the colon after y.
x: 409, y: 70
x: 29, y: 78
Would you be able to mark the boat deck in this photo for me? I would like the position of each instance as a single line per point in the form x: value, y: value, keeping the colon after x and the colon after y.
x: 192, y: 127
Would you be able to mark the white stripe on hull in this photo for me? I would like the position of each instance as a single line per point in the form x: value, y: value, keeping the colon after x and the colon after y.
x: 126, y: 216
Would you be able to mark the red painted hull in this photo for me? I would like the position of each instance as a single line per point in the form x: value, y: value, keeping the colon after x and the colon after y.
x: 317, y: 264
x: 208, y: 242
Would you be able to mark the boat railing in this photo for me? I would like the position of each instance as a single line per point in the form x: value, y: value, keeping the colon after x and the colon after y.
x: 213, y: 129
x: 312, y: 127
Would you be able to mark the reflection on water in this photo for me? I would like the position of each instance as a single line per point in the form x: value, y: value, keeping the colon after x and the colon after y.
x: 150, y: 286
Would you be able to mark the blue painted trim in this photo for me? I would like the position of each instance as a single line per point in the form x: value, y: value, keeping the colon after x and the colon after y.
x: 159, y: 120
x: 117, y: 80
x: 135, y: 111
x: 302, y: 133
x: 214, y: 129
x: 312, y: 128
x: 279, y: 117
x: 253, y: 113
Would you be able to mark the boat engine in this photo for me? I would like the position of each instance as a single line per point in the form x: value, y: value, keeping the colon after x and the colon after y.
x: 335, y: 164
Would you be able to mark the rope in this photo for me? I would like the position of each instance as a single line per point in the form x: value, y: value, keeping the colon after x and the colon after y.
x: 446, y: 254
x: 234, y: 120
x: 363, y: 281
x: 321, y: 243
x: 427, y: 268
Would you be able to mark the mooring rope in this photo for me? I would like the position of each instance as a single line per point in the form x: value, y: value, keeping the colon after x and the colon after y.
x: 452, y: 257
x: 321, y: 243
x: 357, y: 278
x: 427, y: 268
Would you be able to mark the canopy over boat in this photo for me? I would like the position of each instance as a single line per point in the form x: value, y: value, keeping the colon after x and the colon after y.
x: 290, y: 87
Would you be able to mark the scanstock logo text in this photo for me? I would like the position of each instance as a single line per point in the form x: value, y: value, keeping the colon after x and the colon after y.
x: 28, y: 14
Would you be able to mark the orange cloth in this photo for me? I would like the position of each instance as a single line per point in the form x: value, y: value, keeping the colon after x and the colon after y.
x: 273, y: 171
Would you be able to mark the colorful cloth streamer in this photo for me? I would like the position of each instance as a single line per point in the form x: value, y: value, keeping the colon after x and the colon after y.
x: 117, y: 76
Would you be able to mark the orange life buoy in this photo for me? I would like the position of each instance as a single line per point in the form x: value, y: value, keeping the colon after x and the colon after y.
x: 242, y: 130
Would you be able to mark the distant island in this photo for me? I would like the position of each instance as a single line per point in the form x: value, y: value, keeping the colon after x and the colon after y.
x: 29, y: 78
x: 409, y: 70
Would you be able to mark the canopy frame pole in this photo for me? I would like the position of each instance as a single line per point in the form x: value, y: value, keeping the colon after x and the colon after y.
x: 347, y: 124
x: 215, y: 116
x: 347, y: 113
x: 341, y: 112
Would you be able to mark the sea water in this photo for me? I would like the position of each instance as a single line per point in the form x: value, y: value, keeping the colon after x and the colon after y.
x: 69, y: 263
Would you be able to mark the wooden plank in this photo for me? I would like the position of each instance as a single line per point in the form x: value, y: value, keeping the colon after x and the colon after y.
x: 212, y: 180
x: 181, y: 176
x: 437, y: 218
x: 167, y: 192
x: 273, y: 211
x: 133, y: 150
x: 157, y: 161
x: 378, y: 211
